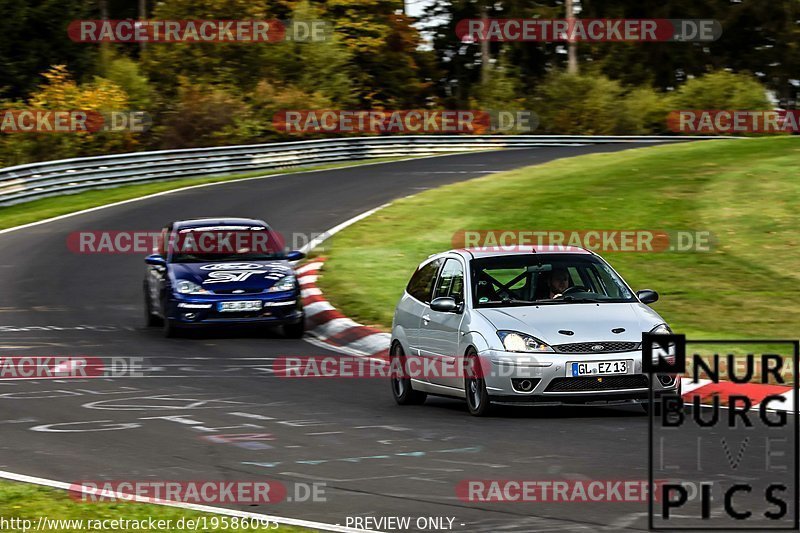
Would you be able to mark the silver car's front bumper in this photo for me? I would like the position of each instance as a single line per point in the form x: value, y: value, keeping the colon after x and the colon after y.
x: 550, y: 379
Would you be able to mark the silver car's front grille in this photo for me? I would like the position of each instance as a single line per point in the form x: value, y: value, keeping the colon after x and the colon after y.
x: 597, y: 347
x: 604, y: 383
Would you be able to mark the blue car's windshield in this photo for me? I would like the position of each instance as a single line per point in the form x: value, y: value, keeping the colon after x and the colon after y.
x: 224, y: 243
x: 545, y: 279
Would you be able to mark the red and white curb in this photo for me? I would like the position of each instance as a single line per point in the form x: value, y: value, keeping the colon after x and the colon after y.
x: 329, y: 328
x: 756, y: 392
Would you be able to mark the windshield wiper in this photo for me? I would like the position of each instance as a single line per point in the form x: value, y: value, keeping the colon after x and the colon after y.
x: 507, y: 301
x: 515, y: 301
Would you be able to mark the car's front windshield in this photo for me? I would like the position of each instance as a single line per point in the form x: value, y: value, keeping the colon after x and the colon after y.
x: 546, y: 279
x: 211, y: 244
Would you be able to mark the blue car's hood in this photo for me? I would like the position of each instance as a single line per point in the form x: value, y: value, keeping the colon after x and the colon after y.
x: 229, y: 276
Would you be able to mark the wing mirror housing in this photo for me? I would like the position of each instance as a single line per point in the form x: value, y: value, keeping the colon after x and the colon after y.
x: 647, y: 296
x: 155, y: 260
x: 445, y: 304
x: 295, y: 255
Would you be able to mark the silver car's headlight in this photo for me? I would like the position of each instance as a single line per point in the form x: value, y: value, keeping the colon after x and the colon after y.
x: 184, y: 286
x: 286, y: 283
x: 514, y: 341
x: 661, y: 329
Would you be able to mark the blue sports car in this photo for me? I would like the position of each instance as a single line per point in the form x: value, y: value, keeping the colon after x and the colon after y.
x: 220, y: 271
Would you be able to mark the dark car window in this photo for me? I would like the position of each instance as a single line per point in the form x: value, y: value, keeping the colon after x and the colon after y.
x: 525, y: 279
x: 421, y: 284
x: 451, y: 281
x: 221, y: 243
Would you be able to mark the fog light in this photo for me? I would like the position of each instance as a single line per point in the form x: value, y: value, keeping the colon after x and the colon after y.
x: 189, y: 316
x: 667, y: 380
x: 524, y: 385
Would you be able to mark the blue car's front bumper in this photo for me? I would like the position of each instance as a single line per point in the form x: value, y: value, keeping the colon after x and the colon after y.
x: 277, y: 309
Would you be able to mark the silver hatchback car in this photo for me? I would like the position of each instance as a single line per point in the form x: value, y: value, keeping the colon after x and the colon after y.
x: 544, y: 325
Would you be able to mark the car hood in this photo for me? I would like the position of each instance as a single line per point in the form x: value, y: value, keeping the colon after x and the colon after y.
x: 229, y: 276
x: 588, y: 322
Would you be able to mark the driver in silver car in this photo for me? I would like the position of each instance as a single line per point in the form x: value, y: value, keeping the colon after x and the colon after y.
x: 558, y: 282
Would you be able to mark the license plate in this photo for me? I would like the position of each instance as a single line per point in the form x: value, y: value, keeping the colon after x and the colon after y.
x: 599, y: 368
x: 254, y: 305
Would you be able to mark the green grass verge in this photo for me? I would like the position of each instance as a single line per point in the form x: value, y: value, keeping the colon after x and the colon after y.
x: 745, y: 192
x: 23, y: 501
x: 27, y: 212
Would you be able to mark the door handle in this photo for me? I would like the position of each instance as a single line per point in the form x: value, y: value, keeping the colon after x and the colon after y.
x: 426, y: 319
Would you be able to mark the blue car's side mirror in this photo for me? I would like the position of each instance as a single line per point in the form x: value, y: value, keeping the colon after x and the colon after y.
x: 155, y: 260
x: 295, y: 255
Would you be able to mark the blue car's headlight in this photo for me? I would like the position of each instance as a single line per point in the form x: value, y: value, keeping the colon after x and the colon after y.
x: 514, y: 341
x: 184, y: 286
x: 286, y: 283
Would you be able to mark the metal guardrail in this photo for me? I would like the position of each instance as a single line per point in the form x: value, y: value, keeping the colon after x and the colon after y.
x: 50, y: 178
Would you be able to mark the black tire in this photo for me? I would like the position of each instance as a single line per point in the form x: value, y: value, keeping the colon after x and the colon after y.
x: 169, y: 326
x: 657, y: 403
x: 295, y: 331
x: 402, y: 389
x: 151, y: 320
x: 478, y: 401
x: 656, y: 407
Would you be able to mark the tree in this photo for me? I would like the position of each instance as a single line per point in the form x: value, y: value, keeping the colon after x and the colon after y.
x: 239, y: 65
x: 35, y: 37
x: 383, y: 46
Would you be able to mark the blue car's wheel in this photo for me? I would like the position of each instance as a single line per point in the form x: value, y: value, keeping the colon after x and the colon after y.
x: 150, y: 319
x: 169, y: 328
x: 169, y: 325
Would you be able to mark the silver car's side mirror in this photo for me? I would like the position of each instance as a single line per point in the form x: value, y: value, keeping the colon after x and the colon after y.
x: 445, y: 304
x: 647, y: 296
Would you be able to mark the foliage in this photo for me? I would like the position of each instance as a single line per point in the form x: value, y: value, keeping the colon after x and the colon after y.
x: 587, y: 104
x: 61, y: 92
x: 375, y: 57
x: 34, y: 37
x: 721, y: 90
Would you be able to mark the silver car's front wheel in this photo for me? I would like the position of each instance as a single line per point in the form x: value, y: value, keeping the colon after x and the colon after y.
x: 478, y: 401
x: 402, y: 390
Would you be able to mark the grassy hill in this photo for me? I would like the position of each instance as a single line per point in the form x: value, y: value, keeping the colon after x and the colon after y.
x: 746, y: 192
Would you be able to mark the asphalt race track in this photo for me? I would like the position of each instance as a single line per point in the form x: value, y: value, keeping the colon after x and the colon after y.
x: 375, y: 458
